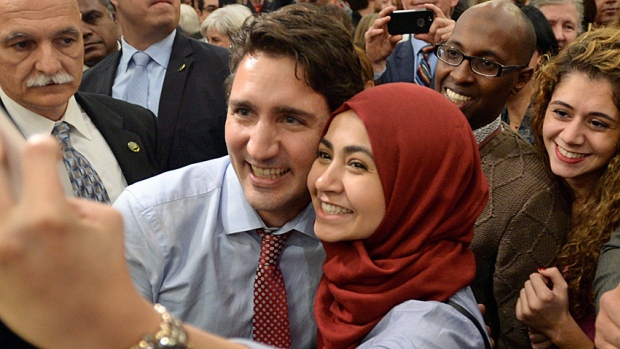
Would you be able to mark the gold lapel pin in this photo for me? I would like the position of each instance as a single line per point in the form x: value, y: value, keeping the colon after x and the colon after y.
x: 133, y: 146
x: 182, y: 67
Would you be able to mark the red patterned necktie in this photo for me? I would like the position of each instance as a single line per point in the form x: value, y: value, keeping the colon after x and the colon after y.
x: 270, y: 322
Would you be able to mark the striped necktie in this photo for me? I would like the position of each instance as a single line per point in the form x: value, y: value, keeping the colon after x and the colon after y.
x: 423, y: 74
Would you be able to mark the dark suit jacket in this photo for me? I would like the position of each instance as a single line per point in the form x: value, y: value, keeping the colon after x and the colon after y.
x: 400, y: 65
x: 119, y: 123
x: 192, y: 108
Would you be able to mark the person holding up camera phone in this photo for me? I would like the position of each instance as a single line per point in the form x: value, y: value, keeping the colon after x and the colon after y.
x: 413, y: 60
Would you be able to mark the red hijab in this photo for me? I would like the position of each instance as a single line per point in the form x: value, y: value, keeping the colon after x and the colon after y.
x: 428, y: 162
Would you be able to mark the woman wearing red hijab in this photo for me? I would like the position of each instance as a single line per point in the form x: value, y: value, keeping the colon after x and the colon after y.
x: 397, y: 187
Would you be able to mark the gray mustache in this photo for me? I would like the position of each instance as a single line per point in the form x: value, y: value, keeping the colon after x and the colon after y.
x: 44, y: 80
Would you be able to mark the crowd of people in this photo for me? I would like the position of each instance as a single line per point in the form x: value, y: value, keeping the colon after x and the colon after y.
x: 269, y: 174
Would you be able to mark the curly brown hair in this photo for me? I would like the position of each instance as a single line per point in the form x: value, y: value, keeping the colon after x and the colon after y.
x: 595, y: 54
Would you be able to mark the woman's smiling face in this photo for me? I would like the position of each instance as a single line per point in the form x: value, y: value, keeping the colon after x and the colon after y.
x: 344, y: 183
x: 581, y: 130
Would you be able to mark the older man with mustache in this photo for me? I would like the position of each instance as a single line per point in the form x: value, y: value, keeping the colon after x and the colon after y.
x: 107, y: 144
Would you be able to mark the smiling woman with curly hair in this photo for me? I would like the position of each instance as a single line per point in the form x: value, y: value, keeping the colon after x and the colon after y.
x: 576, y: 125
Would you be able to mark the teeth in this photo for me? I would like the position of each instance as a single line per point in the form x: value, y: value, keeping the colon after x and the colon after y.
x: 455, y: 97
x: 332, y: 209
x: 570, y: 155
x: 270, y: 173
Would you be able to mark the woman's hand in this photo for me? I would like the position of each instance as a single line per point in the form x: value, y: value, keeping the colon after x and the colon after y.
x: 64, y: 280
x: 543, y: 306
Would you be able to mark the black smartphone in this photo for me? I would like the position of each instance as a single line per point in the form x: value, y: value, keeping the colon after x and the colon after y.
x: 410, y: 21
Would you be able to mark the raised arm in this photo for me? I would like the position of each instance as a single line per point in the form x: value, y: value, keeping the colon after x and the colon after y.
x: 64, y: 281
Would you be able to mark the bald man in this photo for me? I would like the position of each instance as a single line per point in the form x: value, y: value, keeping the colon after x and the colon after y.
x: 524, y: 224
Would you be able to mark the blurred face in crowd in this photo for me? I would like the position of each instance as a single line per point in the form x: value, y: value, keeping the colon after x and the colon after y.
x: 344, y: 183
x: 147, y: 21
x: 581, y: 131
x: 445, y: 5
x: 207, y: 8
x: 99, y: 31
x: 218, y: 38
x: 41, y: 54
x: 386, y: 3
x: 564, y: 20
x: 606, y: 11
x: 272, y: 134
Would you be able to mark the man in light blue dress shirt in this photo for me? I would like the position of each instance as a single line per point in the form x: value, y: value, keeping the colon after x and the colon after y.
x: 191, y: 238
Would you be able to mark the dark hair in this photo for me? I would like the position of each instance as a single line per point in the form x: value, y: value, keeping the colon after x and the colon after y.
x: 317, y: 42
x: 589, y: 14
x: 458, y: 10
x: 595, y: 55
x: 357, y: 5
x: 545, y: 39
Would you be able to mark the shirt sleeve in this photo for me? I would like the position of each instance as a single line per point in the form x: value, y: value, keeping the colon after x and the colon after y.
x: 435, y: 325
x: 142, y: 250
x: 607, y: 273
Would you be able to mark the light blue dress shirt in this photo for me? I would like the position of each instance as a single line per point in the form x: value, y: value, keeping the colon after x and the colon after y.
x: 424, y: 325
x: 191, y: 246
x: 156, y: 69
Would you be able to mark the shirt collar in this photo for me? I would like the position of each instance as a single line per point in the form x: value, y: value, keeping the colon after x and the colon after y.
x: 238, y: 216
x: 31, y: 123
x: 159, y: 51
x: 485, y: 131
x: 418, y: 45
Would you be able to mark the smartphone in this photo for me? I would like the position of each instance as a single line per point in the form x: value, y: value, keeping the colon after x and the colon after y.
x: 12, y: 142
x: 410, y: 21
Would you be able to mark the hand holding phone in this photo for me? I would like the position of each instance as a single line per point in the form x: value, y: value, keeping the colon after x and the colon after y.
x: 410, y: 22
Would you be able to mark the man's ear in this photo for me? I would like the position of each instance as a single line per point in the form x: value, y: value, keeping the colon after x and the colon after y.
x: 525, y: 75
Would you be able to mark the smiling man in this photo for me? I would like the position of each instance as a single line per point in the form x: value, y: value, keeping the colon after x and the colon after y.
x: 524, y: 224
x: 194, y: 236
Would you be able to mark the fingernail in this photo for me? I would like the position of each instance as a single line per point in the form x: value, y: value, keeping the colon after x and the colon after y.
x: 541, y: 269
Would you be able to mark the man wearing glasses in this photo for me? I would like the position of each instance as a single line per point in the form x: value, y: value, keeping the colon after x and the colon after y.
x: 524, y: 223
x: 206, y: 7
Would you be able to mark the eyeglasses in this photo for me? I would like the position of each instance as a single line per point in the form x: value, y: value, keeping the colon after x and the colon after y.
x: 478, y: 65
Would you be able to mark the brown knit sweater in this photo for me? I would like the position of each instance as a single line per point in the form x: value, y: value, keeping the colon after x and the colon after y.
x: 523, y: 227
